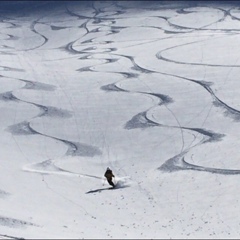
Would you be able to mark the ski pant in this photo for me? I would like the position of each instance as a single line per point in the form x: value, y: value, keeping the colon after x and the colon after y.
x: 110, y: 182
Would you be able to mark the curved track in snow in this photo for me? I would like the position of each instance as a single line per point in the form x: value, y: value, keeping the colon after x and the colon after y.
x: 122, y: 60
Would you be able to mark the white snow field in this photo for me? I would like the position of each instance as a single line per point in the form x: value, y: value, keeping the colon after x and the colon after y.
x: 149, y: 89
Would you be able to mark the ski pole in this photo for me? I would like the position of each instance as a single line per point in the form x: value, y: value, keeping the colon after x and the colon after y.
x: 104, y: 182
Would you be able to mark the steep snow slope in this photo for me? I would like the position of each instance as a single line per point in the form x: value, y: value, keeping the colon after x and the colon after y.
x: 149, y: 89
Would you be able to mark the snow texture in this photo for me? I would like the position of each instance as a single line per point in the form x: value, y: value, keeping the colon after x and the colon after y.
x: 147, y: 88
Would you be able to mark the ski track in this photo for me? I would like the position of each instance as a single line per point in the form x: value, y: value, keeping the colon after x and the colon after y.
x: 14, y: 223
x: 140, y: 120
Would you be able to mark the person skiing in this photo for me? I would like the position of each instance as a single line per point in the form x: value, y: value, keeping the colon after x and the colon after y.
x: 109, y: 175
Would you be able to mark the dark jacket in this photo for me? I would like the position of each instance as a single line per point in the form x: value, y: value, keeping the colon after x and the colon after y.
x: 108, y: 174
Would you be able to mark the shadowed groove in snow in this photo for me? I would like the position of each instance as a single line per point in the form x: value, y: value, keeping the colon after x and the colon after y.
x: 212, y: 136
x: 12, y: 69
x: 165, y: 99
x: 85, y: 69
x: 160, y: 57
x: 178, y: 163
x: 8, y: 96
x: 38, y: 86
x: 189, y: 166
x: 8, y: 53
x: 53, y: 112
x: 22, y: 128
x: 184, y: 11
x: 14, y: 223
x: 69, y: 48
x: 45, y: 39
x: 10, y: 237
x: 206, y: 84
x: 89, y: 49
x: 174, y: 32
x: 80, y: 149
x: 136, y: 66
x: 7, y: 47
x: 86, y: 56
x: 228, y: 111
x: 140, y: 121
x: 75, y: 149
x: 12, y: 37
x: 173, y: 164
x: 112, y: 87
x: 111, y: 60
x: 55, y: 28
x: 129, y: 74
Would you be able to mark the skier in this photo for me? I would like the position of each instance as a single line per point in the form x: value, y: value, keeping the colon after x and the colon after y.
x: 109, y: 175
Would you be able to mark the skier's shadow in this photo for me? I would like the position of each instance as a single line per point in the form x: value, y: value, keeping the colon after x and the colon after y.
x: 103, y: 189
x: 98, y: 190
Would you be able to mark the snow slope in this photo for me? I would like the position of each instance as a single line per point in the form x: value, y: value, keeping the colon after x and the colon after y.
x: 149, y: 89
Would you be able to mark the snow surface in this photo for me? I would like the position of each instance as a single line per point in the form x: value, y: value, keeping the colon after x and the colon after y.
x: 149, y: 89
